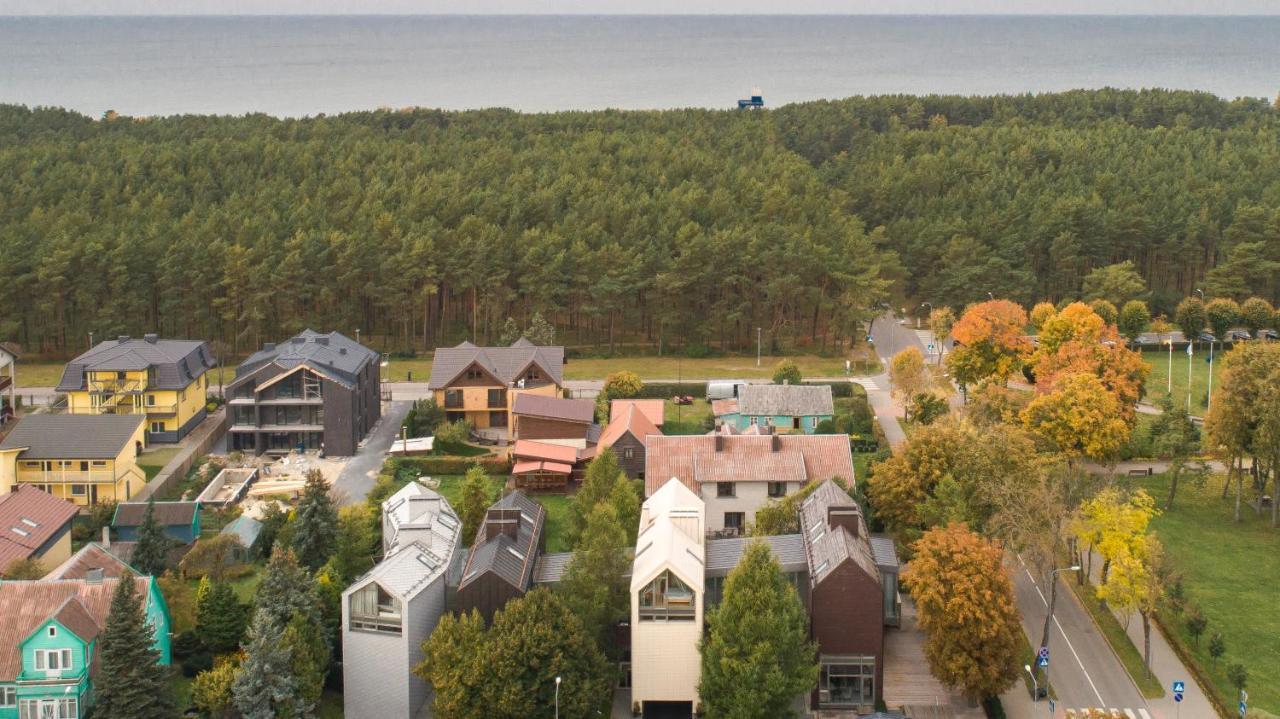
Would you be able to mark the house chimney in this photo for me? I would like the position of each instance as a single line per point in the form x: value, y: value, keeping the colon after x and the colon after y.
x: 847, y: 516
x: 719, y: 442
x: 93, y: 576
x: 150, y: 338
x: 342, y: 350
x: 106, y: 536
x: 122, y: 339
x: 268, y: 346
x: 775, y: 443
x: 502, y: 521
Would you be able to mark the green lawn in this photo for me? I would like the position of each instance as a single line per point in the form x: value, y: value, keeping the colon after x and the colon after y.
x: 686, y: 419
x: 557, y: 507
x: 667, y: 368
x: 38, y: 374
x: 158, y: 456
x: 1158, y: 379
x: 1231, y: 571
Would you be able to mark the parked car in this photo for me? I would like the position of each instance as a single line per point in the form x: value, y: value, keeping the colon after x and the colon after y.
x: 1268, y: 335
x: 724, y: 388
x: 1207, y: 337
x: 1237, y: 335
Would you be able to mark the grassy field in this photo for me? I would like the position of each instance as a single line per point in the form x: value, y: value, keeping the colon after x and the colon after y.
x: 686, y: 419
x: 1158, y: 380
x: 557, y: 507
x: 153, y: 460
x: 1231, y: 572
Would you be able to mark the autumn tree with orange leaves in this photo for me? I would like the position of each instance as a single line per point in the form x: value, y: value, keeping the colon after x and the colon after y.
x: 964, y: 597
x: 992, y: 343
x: 1078, y: 341
x: 1080, y: 417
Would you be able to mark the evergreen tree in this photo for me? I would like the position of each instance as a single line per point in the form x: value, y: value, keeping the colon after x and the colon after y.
x: 132, y: 683
x: 220, y: 618
x: 624, y: 498
x: 266, y: 687
x: 308, y: 649
x: 316, y: 523
x: 150, y: 555
x: 786, y: 372
x: 476, y: 498
x: 286, y: 589
x: 453, y: 661
x: 602, y: 473
x: 540, y: 331
x: 357, y: 541
x: 594, y: 586
x: 211, y: 689
x: 757, y: 657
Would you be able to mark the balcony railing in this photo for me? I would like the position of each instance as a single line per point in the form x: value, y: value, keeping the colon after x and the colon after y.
x: 70, y: 476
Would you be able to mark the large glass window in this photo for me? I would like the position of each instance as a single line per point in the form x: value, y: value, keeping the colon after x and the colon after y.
x: 48, y: 709
x: 373, y: 609
x: 8, y: 696
x: 847, y: 681
x: 497, y: 398
x: 777, y: 489
x: 667, y: 599
x: 453, y: 398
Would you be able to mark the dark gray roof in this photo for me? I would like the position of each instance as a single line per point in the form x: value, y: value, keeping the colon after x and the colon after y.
x: 511, y: 560
x: 885, y: 552
x: 333, y: 354
x: 568, y: 410
x: 175, y: 362
x: 504, y: 363
x: 827, y: 547
x: 723, y: 554
x: 168, y: 514
x: 550, y: 567
x: 73, y: 436
x: 792, y: 400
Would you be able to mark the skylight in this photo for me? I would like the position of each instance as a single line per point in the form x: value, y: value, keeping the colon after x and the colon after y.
x: 20, y: 532
x: 518, y: 555
x: 30, y: 522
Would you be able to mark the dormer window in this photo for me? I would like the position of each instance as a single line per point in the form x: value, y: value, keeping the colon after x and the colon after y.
x: 667, y: 599
x: 374, y: 609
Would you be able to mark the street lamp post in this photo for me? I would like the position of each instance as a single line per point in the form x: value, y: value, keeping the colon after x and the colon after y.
x: 991, y: 296
x: 922, y: 305
x: 90, y: 340
x: 1035, y: 685
x: 758, y: 335
x: 557, y: 697
x: 357, y: 335
x: 1053, y: 597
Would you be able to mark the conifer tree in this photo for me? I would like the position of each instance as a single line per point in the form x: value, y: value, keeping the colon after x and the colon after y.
x: 132, y: 683
x: 150, y: 555
x: 211, y: 689
x: 451, y: 662
x: 286, y: 588
x: 265, y: 687
x: 602, y: 473
x: 220, y: 618
x: 624, y: 498
x: 316, y: 524
x: 757, y: 656
x: 476, y: 498
x: 309, y: 658
x: 595, y: 585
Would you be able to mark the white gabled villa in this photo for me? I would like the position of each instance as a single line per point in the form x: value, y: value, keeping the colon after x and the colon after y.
x: 387, y: 613
x: 667, y: 599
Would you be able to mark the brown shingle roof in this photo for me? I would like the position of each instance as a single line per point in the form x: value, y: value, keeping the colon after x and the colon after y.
x: 742, y: 458
x: 627, y: 418
x: 567, y: 410
x: 168, y: 514
x: 28, y: 519
x: 75, y: 617
x: 653, y: 409
x: 92, y: 556
x: 507, y: 364
x: 26, y: 605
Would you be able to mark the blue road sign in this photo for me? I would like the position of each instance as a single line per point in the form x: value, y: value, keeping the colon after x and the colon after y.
x: 1044, y: 652
x: 1179, y: 687
x: 1177, y: 696
x: 1244, y: 708
x: 1042, y: 662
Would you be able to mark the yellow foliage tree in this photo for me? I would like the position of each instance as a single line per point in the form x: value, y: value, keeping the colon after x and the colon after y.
x: 1080, y: 417
x: 908, y: 375
x: 992, y: 343
x: 1076, y: 322
x: 1040, y: 314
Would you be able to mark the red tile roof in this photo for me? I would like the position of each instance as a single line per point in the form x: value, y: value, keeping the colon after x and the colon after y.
x: 694, y: 459
x: 653, y: 409
x: 28, y: 519
x: 527, y: 449
x: 92, y: 556
x: 627, y: 418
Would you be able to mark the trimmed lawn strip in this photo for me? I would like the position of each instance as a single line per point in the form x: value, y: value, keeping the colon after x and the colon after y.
x: 38, y: 374
x: 1110, y: 627
x: 1157, y: 385
x: 686, y: 419
x: 1230, y: 572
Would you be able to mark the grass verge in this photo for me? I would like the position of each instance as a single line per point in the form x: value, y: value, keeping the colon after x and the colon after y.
x: 1110, y: 628
x: 557, y: 507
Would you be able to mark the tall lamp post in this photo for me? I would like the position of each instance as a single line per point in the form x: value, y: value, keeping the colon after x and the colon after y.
x: 758, y: 335
x: 1053, y: 597
x: 931, y: 332
x: 557, y: 697
x: 1035, y: 684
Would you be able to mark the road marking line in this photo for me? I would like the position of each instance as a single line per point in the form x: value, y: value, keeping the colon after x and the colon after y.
x: 1065, y: 638
x: 1129, y: 713
x: 1143, y: 713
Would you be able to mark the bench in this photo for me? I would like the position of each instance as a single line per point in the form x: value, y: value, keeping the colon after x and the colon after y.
x: 1138, y: 472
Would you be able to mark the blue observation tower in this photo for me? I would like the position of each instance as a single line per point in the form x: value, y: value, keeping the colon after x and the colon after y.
x: 752, y: 102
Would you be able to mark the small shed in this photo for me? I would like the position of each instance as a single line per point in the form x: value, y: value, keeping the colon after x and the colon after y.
x: 180, y: 520
x: 248, y: 530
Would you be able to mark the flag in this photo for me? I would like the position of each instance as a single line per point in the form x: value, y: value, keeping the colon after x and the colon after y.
x: 1189, y: 352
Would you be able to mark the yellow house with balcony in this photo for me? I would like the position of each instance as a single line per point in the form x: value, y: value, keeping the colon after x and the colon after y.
x: 480, y: 384
x: 166, y: 381
x: 82, y: 458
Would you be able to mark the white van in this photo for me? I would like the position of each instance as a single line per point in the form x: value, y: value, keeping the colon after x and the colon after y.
x: 724, y: 388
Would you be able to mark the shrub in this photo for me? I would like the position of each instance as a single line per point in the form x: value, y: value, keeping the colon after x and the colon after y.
x: 786, y: 371
x: 622, y: 385
x: 927, y: 407
x: 494, y: 466
x: 667, y: 390
x: 453, y: 432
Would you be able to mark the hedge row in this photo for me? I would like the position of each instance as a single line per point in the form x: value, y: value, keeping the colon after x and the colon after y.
x: 455, y: 465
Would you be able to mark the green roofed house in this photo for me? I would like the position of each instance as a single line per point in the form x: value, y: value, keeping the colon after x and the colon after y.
x: 179, y: 520
x: 48, y: 641
x: 776, y: 407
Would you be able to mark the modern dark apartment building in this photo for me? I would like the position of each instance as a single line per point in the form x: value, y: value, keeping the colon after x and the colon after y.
x: 315, y: 391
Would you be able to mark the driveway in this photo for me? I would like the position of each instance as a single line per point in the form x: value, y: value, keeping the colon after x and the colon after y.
x: 358, y: 476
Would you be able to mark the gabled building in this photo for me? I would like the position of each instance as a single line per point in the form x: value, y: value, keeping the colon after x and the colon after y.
x: 667, y: 598
x: 82, y: 458
x: 389, y: 612
x: 780, y: 407
x: 34, y: 525
x: 554, y: 419
x: 179, y: 520
x: 49, y: 642
x: 93, y: 560
x: 736, y: 475
x: 630, y: 422
x: 165, y: 381
x: 500, y: 565
x: 313, y: 392
x: 543, y: 466
x: 480, y: 384
x: 850, y: 599
x: 8, y: 383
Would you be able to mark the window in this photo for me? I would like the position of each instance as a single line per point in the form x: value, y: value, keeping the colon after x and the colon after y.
x: 28, y: 464
x: 79, y: 491
x: 453, y: 398
x: 157, y: 427
x: 84, y: 466
x: 813, y: 422
x: 8, y: 696
x: 52, y: 659
x: 53, y: 631
x: 847, y: 681
x: 754, y: 420
x: 532, y: 375
x: 734, y: 520
x: 48, y: 709
x: 726, y: 489
x: 777, y: 489
x: 121, y: 376
x: 667, y: 599
x: 99, y: 464
x: 374, y: 609
x: 474, y: 373
x: 497, y: 398
x: 151, y: 400
x: 629, y: 453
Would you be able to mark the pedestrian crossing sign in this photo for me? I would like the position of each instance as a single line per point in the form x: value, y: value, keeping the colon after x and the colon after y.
x: 1179, y: 687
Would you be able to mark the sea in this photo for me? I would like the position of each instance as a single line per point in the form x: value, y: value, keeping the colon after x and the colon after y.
x: 305, y: 65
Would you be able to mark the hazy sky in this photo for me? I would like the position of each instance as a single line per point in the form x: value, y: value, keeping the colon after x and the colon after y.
x: 285, y: 7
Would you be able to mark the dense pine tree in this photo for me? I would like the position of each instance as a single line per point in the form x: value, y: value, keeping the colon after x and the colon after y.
x: 220, y: 618
x: 266, y: 687
x: 595, y: 584
x: 132, y: 684
x: 315, y: 528
x: 150, y: 555
x: 477, y: 495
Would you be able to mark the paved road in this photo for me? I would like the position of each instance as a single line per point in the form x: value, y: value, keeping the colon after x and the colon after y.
x: 357, y: 477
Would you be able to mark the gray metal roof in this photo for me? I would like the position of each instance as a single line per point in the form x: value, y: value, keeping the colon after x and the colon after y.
x: 550, y: 568
x: 885, y: 552
x: 506, y: 364
x: 791, y: 400
x: 828, y: 547
x: 723, y: 554
x: 73, y: 436
x: 512, y: 560
x: 405, y: 572
x: 334, y: 354
x: 175, y: 363
x: 246, y: 529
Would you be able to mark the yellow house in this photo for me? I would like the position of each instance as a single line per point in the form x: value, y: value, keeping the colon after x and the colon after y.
x: 82, y: 458
x: 165, y: 380
x: 34, y: 525
x: 480, y: 384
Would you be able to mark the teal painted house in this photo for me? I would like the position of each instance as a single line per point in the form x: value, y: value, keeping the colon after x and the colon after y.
x: 179, y: 520
x: 776, y: 407
x: 49, y: 641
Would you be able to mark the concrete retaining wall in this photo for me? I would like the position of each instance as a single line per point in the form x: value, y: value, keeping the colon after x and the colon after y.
x: 197, y: 444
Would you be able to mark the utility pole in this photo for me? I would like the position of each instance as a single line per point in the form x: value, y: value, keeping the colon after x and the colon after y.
x: 1209, y: 405
x: 758, y: 336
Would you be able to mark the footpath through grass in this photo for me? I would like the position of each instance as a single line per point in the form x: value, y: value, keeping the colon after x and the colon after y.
x: 1232, y: 573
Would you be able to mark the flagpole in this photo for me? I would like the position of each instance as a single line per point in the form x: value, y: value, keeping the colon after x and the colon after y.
x: 1209, y: 406
x: 1169, y: 341
x: 1190, y: 353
